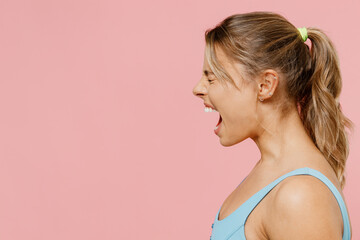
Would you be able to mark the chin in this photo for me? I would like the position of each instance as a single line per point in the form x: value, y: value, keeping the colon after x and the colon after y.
x: 229, y: 142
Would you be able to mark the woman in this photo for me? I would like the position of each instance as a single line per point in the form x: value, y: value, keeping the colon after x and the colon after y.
x: 268, y: 85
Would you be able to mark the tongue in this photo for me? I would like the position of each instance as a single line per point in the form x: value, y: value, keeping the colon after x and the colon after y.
x: 220, y: 120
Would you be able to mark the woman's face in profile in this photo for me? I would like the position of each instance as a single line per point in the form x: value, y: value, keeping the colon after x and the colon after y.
x: 237, y: 108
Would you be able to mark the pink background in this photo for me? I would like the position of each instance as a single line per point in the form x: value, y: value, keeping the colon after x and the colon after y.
x: 101, y: 137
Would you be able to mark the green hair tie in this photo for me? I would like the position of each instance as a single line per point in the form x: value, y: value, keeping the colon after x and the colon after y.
x: 303, y: 33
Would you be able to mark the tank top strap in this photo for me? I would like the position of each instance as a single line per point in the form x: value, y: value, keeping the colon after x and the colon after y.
x: 257, y: 197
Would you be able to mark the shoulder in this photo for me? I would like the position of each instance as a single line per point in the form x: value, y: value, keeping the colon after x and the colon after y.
x: 303, y: 207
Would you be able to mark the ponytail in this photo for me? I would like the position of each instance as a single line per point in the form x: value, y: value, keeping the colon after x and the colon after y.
x: 321, y: 112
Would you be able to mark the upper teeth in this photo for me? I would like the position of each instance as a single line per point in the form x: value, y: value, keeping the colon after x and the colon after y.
x: 207, y: 109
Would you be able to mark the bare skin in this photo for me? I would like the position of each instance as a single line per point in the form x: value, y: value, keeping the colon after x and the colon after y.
x: 299, y: 207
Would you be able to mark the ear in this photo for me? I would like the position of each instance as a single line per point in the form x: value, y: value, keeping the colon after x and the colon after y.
x: 267, y: 84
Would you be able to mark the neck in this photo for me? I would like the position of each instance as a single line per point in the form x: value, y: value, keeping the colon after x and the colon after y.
x: 284, y: 142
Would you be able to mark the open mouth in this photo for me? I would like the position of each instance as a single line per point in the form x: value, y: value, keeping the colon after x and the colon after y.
x: 220, y: 120
x: 218, y: 126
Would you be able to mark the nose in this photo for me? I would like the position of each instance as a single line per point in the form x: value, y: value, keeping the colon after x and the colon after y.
x: 200, y: 89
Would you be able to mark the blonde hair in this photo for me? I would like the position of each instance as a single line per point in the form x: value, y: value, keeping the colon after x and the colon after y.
x: 263, y: 40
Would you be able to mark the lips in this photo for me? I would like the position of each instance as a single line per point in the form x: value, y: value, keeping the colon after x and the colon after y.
x: 217, y: 129
x: 208, y: 105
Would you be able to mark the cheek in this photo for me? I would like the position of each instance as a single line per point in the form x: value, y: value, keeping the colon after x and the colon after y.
x: 236, y: 107
x: 241, y: 112
x: 216, y: 97
x: 241, y: 118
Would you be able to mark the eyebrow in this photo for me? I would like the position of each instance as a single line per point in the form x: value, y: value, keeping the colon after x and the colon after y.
x: 208, y: 72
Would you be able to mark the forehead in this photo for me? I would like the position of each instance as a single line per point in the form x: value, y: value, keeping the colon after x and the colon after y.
x: 236, y: 70
x: 221, y: 57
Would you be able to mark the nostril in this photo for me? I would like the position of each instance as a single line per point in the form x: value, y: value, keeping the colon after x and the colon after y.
x: 197, y: 93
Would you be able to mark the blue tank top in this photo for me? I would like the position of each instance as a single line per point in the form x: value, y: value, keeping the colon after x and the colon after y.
x: 232, y: 227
